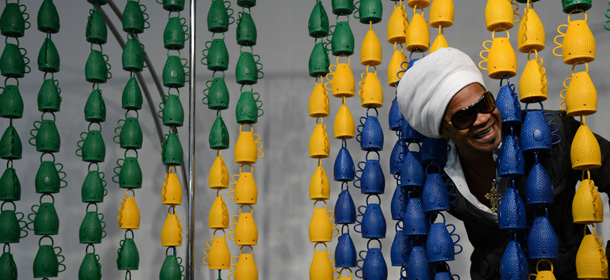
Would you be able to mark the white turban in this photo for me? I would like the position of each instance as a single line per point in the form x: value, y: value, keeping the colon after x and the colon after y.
x: 428, y: 86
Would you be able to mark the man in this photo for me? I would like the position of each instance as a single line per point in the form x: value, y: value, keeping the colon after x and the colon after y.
x: 443, y: 96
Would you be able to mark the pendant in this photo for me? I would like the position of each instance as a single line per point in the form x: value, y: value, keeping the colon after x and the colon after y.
x: 494, y: 196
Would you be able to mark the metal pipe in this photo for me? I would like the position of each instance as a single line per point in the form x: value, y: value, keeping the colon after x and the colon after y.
x: 190, y: 248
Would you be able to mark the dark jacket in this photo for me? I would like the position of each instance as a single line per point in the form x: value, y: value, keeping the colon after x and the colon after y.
x: 489, y: 241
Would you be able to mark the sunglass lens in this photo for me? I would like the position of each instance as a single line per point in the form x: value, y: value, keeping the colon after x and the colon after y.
x: 464, y: 119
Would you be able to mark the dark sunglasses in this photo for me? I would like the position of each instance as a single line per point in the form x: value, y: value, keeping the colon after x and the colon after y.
x: 463, y: 119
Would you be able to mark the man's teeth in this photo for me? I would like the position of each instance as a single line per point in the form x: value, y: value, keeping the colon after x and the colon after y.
x: 484, y: 133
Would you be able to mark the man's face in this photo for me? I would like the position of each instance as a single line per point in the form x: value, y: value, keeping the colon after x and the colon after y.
x: 485, y: 133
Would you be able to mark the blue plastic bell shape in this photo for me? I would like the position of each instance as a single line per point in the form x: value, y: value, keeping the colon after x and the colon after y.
x: 370, y: 179
x: 434, y: 151
x: 344, y: 169
x: 538, y: 187
x: 345, y: 252
x: 511, y: 213
x: 414, y: 222
x: 440, y: 245
x: 408, y: 134
x: 395, y: 118
x: 514, y: 263
x: 372, y: 222
x: 542, y: 241
x: 373, y: 264
x: 411, y: 171
x: 418, y: 267
x: 435, y: 196
x: 444, y: 275
x: 510, y: 159
x: 345, y: 209
x: 401, y: 248
x: 399, y: 203
x: 397, y: 157
x: 508, y: 104
x: 370, y: 134
x: 536, y: 133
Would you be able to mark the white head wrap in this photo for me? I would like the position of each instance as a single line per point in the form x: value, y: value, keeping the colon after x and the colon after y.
x: 428, y: 86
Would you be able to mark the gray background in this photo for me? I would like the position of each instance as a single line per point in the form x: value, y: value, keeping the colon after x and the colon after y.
x: 284, y: 209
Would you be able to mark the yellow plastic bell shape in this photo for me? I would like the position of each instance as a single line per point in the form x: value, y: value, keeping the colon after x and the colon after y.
x: 499, y: 15
x: 217, y: 254
x: 501, y: 59
x: 591, y: 261
x: 248, y: 147
x: 587, y: 205
x: 418, y: 35
x: 219, y: 174
x: 321, y: 266
x: 172, y: 190
x: 439, y: 43
x: 319, y: 145
x: 533, y: 85
x: 319, y: 186
x: 341, y: 277
x: 171, y: 234
x: 371, y: 92
x: 395, y: 67
x: 420, y: 4
x: 219, y: 214
x: 578, y: 44
x: 344, y: 123
x: 397, y: 25
x: 442, y: 13
x: 585, y: 152
x: 244, y: 268
x: 243, y: 229
x: 244, y: 190
x: 531, y: 36
x: 370, y: 51
x: 543, y: 274
x: 318, y: 102
x: 580, y: 95
x: 320, y: 226
x: 342, y: 82
x: 129, y: 214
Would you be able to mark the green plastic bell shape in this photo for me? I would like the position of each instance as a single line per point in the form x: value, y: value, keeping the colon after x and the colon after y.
x: 319, y: 61
x: 11, y: 103
x: 95, y: 107
x: 571, y: 5
x: 218, y: 16
x: 94, y: 187
x: 47, y: 136
x: 172, y: 153
x: 97, y: 67
x: 131, y: 135
x: 133, y: 56
x: 10, y: 187
x: 173, y: 5
x: 174, y: 74
x: 219, y: 135
x: 246, y: 3
x: 12, y: 21
x: 370, y: 11
x: 93, y: 148
x: 246, y: 30
x: 343, y: 7
x: 129, y: 173
x: 248, y: 69
x: 249, y: 108
x: 46, y: 262
x: 134, y: 17
x: 10, y: 144
x: 172, y: 112
x: 129, y: 258
x: 175, y: 33
x: 48, y: 18
x: 171, y: 268
x: 8, y: 267
x: 90, y: 268
x: 13, y: 62
x: 343, y: 40
x: 216, y: 55
x: 132, y: 95
x: 49, y: 98
x: 48, y: 57
x: 96, y: 31
x: 318, y: 21
x: 45, y: 219
x: 50, y: 177
x: 11, y: 226
x: 216, y: 94
x: 92, y: 228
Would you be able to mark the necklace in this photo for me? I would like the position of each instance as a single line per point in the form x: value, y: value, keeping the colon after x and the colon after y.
x: 493, y: 195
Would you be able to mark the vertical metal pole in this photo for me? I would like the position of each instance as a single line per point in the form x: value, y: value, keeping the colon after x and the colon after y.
x: 190, y: 248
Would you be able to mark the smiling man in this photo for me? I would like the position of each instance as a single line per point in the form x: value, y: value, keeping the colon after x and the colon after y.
x: 443, y: 96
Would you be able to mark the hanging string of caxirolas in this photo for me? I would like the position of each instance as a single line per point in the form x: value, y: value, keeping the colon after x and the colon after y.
x: 216, y: 97
x: 13, y: 65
